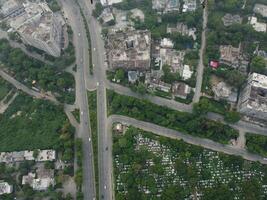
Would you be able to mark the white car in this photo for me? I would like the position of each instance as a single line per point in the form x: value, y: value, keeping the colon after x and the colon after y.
x: 89, y: 139
x: 81, y: 112
x: 105, y: 187
x: 79, y: 34
x: 97, y: 83
x: 94, y: 49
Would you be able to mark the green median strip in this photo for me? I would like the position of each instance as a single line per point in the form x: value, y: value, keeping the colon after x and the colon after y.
x: 93, y: 122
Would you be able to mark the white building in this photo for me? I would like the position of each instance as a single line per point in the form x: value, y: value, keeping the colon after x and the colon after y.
x: 260, y: 9
x: 166, y: 43
x: 5, y: 188
x: 253, y: 98
x: 258, y: 26
x: 186, y: 72
x: 189, y: 5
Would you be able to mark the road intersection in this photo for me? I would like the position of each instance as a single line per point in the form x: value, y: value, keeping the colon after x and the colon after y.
x: 85, y: 81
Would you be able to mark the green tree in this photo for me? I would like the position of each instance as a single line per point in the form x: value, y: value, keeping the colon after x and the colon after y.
x: 120, y: 74
x: 259, y: 65
x: 202, y: 107
x: 232, y: 117
x: 141, y: 88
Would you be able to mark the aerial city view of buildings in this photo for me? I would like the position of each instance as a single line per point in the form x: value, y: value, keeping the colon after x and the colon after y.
x: 133, y: 99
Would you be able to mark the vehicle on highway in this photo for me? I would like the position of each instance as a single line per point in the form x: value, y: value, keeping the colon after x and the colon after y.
x: 89, y: 139
x: 79, y: 34
x: 105, y: 187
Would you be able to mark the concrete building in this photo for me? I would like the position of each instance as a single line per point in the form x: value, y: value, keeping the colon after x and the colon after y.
x: 182, y: 29
x: 186, y: 73
x: 107, y: 16
x: 129, y: 50
x: 153, y: 82
x: 11, y: 8
x: 164, y: 6
x: 224, y: 91
x: 166, y: 43
x: 233, y: 57
x: 41, y: 180
x: 229, y: 19
x: 38, y: 26
x: 189, y: 5
x: 5, y: 188
x: 253, y: 98
x: 172, y: 58
x: 258, y: 26
x: 19, y: 156
x: 132, y: 76
x: 260, y: 9
x: 181, y: 90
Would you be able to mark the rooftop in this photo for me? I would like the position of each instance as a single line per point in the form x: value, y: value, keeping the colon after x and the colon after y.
x: 5, y: 188
x: 229, y: 19
x: 260, y: 9
x: 129, y: 50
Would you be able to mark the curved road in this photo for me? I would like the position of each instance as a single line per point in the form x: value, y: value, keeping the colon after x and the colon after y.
x: 209, y: 144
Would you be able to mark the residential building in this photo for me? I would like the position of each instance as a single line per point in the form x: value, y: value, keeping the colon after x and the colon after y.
x: 182, y: 29
x: 38, y: 26
x: 229, y: 19
x: 253, y: 97
x: 166, y: 43
x: 41, y: 180
x: 258, y: 26
x: 129, y: 50
x: 19, y: 156
x: 186, y: 73
x: 107, y: 16
x: 260, y: 9
x: 173, y: 58
x: 109, y: 2
x: 224, y: 91
x: 189, y: 5
x: 164, y: 6
x: 181, y: 90
x: 5, y: 188
x: 233, y: 57
x: 153, y: 82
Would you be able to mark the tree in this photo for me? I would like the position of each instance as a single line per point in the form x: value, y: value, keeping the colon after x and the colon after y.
x: 141, y: 88
x: 259, y: 65
x: 119, y: 75
x: 202, y: 107
x: 98, y: 10
x: 232, y: 117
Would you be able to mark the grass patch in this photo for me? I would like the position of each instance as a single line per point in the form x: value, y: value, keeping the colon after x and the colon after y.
x: 188, y: 123
x: 76, y: 114
x: 92, y: 101
x: 256, y: 144
x: 30, y: 124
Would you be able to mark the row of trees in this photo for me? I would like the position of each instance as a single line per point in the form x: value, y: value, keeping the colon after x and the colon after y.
x: 194, y: 124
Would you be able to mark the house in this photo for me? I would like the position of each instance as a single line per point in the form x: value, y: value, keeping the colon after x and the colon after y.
x: 154, y: 83
x: 132, y: 76
x: 19, y: 156
x: 181, y: 90
x: 233, y: 57
x: 229, y: 19
x: 164, y: 6
x: 189, y: 6
x: 5, y: 188
x: 107, y: 16
x: 129, y: 50
x: 186, y: 72
x: 224, y: 91
x: 182, y: 29
x: 253, y: 97
x: 260, y: 9
x: 172, y: 58
x: 258, y: 26
x: 41, y: 180
x: 166, y: 43
x: 214, y: 64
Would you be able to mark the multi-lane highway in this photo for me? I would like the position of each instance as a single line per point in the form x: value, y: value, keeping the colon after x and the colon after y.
x: 71, y: 11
